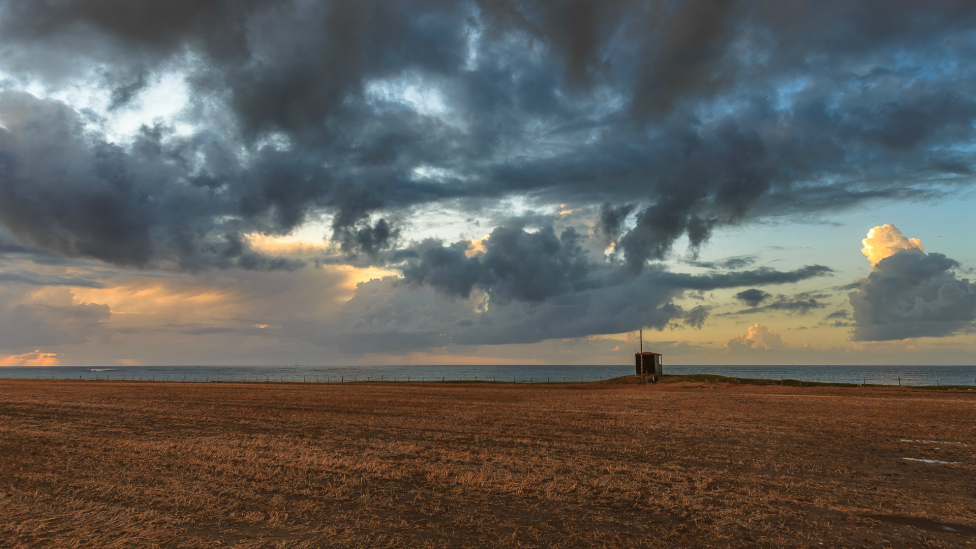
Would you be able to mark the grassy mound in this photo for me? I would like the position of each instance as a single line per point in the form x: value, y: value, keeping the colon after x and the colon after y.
x: 712, y: 378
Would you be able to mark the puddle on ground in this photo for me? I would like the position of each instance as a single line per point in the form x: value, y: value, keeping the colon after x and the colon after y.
x: 934, y: 461
x: 942, y: 442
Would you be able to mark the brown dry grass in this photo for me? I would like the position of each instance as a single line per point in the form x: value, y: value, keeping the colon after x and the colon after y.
x: 123, y: 464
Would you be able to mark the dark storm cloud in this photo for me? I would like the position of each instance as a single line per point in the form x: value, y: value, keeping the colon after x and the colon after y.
x: 34, y: 279
x: 515, y: 265
x: 851, y: 286
x: 362, y: 236
x: 679, y: 117
x: 9, y: 249
x: 391, y: 315
x: 913, y: 294
x: 123, y: 93
x: 753, y: 296
x: 65, y: 194
x: 838, y: 319
x: 612, y: 220
x: 68, y: 191
x: 729, y: 263
x: 797, y: 304
x: 809, y: 98
x: 801, y: 306
x: 542, y: 285
x: 527, y: 266
x: 696, y: 317
x: 737, y: 279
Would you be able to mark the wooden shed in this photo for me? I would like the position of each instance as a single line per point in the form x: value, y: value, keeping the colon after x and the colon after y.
x: 648, y: 363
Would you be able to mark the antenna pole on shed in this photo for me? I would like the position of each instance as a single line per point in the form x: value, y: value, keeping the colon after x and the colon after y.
x: 642, y: 355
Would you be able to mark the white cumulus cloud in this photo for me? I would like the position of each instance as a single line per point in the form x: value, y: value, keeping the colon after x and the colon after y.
x: 758, y: 337
x: 885, y: 241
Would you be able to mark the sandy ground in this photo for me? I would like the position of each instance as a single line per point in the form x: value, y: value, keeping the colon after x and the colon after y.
x: 139, y: 464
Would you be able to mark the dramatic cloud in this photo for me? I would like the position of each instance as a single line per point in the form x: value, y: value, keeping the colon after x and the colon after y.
x: 913, y: 294
x: 841, y: 319
x: 752, y: 297
x: 526, y: 287
x: 391, y: 315
x: 696, y: 317
x: 737, y: 279
x: 758, y: 337
x: 801, y: 303
x: 690, y: 116
x: 612, y: 221
x: 26, y: 277
x: 515, y: 265
x: 588, y: 139
x: 728, y: 263
x: 909, y: 293
x: 886, y: 240
x: 526, y: 266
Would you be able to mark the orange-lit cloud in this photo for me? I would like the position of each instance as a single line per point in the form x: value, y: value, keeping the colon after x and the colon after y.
x: 477, y: 246
x: 146, y: 296
x: 36, y: 358
x: 256, y: 300
x: 354, y: 276
x: 886, y: 240
x: 129, y: 362
x: 289, y: 246
x: 758, y: 337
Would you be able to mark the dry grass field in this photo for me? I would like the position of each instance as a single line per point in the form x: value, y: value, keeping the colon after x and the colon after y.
x: 139, y: 464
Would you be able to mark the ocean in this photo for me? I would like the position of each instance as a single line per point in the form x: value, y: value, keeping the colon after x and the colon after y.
x: 882, y: 375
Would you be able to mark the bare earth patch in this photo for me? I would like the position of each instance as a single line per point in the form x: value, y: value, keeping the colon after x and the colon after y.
x: 139, y: 464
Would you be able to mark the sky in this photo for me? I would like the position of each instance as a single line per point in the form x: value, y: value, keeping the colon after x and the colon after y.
x: 286, y: 182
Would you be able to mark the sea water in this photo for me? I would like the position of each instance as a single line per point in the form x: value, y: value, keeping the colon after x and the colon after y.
x: 880, y: 375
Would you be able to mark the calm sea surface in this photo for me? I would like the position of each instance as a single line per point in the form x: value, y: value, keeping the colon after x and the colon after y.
x: 887, y: 375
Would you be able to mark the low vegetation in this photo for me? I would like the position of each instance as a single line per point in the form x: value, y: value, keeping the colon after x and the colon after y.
x: 673, y: 464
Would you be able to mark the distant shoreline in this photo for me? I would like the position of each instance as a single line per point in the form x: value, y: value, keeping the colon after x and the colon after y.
x: 916, y: 376
x: 622, y: 380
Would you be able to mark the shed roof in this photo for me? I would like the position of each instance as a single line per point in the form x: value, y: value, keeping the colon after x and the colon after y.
x: 650, y: 353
